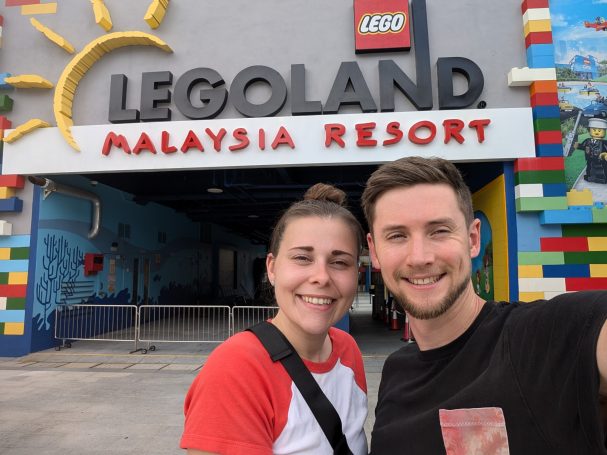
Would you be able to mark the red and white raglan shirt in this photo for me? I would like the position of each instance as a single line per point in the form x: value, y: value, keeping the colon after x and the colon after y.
x: 242, y: 403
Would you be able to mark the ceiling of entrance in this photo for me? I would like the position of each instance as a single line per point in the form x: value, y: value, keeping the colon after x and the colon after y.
x: 249, y: 201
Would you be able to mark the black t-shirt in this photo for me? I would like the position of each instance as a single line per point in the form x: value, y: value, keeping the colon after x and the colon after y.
x: 536, y: 361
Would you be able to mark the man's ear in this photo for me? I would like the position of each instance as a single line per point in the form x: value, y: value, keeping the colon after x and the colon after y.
x: 474, y: 234
x: 372, y: 252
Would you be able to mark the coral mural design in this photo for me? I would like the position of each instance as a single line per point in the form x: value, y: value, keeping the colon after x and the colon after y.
x: 61, y: 264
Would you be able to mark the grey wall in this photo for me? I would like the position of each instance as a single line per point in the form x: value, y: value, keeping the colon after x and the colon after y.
x: 231, y: 35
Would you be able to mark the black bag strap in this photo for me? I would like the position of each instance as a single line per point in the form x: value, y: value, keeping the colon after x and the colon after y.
x: 280, y: 349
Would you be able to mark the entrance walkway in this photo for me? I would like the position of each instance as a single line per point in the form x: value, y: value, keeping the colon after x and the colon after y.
x: 96, y: 398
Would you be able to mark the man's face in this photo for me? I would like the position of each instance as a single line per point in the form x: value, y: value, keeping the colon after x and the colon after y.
x: 597, y: 133
x: 423, y: 246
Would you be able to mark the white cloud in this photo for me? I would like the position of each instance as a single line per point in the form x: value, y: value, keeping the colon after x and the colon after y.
x: 558, y: 20
x: 598, y: 2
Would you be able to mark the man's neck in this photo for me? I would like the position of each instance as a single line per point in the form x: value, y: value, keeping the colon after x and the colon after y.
x: 434, y: 333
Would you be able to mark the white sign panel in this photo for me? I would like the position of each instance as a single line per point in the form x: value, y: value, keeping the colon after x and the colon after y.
x: 458, y: 135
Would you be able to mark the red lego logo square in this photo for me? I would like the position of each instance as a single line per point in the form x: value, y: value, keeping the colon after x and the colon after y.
x: 381, y: 25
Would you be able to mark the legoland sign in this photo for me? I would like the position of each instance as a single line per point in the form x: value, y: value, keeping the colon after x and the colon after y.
x: 343, y: 139
x: 381, y: 25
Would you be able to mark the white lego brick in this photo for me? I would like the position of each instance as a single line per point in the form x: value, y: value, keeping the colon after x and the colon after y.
x: 545, y: 285
x: 6, y: 228
x: 536, y: 14
x: 520, y: 77
x: 529, y: 190
x: 3, y: 303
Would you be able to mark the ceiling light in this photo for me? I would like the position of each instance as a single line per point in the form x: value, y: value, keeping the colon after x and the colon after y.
x: 253, y: 216
x: 215, y: 190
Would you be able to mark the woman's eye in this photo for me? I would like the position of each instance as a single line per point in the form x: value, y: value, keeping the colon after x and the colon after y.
x: 301, y: 258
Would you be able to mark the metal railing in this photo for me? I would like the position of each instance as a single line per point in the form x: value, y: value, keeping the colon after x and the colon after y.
x: 95, y: 322
x: 154, y: 323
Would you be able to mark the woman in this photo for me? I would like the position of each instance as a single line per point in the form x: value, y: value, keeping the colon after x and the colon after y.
x: 242, y: 402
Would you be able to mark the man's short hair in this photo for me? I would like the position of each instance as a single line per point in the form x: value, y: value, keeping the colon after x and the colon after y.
x: 415, y: 170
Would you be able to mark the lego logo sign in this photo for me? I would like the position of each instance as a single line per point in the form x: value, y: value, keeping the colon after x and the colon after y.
x: 381, y: 25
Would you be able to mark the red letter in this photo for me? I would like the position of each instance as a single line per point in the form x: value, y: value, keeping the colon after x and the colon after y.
x: 164, y: 144
x: 191, y: 141
x: 453, y: 128
x: 393, y: 128
x: 282, y: 137
x: 423, y: 124
x: 117, y: 140
x: 216, y: 139
x: 144, y: 143
x: 334, y: 132
x: 262, y: 139
x: 239, y: 134
x: 480, y: 128
x: 363, y: 134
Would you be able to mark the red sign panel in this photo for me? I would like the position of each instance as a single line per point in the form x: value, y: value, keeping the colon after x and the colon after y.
x: 381, y: 25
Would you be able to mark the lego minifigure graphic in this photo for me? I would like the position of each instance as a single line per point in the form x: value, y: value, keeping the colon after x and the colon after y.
x: 595, y: 151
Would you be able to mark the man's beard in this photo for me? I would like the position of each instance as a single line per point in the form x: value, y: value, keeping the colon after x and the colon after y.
x: 423, y: 313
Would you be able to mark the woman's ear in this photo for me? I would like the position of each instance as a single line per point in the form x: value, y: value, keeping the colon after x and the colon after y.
x: 270, y: 261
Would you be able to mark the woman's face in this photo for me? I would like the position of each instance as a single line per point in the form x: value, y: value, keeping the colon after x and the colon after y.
x: 315, y: 274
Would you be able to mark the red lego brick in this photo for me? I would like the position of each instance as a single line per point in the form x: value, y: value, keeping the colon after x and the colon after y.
x: 5, y: 124
x: 548, y: 137
x: 581, y: 284
x: 13, y: 290
x: 539, y: 164
x: 538, y: 38
x: 1, y: 21
x: 12, y: 181
x: 530, y: 4
x: 564, y: 243
x: 20, y: 2
x: 544, y: 99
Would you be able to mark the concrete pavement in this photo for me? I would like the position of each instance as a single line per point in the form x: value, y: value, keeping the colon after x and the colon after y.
x: 96, y: 398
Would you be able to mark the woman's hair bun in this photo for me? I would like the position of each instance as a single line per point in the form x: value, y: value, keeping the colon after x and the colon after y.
x: 324, y: 192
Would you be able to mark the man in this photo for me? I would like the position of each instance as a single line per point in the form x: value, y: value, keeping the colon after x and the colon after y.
x: 484, y: 377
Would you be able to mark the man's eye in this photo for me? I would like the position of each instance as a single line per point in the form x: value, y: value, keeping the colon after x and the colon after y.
x: 395, y: 236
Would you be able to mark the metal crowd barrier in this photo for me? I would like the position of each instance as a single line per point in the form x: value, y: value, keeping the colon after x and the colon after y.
x: 246, y: 316
x: 154, y: 323
x: 95, y: 322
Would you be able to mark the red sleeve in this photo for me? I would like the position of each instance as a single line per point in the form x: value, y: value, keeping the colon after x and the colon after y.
x: 349, y: 355
x: 238, y: 403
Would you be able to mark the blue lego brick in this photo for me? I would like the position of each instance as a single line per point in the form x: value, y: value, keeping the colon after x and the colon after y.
x: 544, y: 150
x: 554, y: 189
x: 529, y: 231
x: 540, y: 61
x: 12, y: 204
x: 573, y: 215
x: 566, y: 271
x: 545, y: 112
x: 541, y: 49
x: 4, y: 85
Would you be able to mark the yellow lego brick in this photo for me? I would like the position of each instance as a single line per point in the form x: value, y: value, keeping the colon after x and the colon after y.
x: 52, y: 36
x: 25, y: 128
x: 583, y: 197
x: 530, y: 271
x: 17, y: 278
x: 42, y: 8
x: 597, y: 243
x: 14, y: 328
x: 598, y: 270
x: 530, y: 296
x: 537, y: 26
x: 5, y: 254
x: 28, y: 81
x: 155, y: 13
x: 6, y: 192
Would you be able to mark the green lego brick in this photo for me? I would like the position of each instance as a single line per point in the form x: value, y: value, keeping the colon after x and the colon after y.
x: 586, y: 257
x: 20, y: 253
x: 547, y: 124
x: 4, y: 278
x: 1, y: 328
x: 541, y: 258
x: 539, y: 177
x: 584, y: 230
x: 15, y: 303
x: 535, y: 204
x: 6, y: 103
x: 599, y: 215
